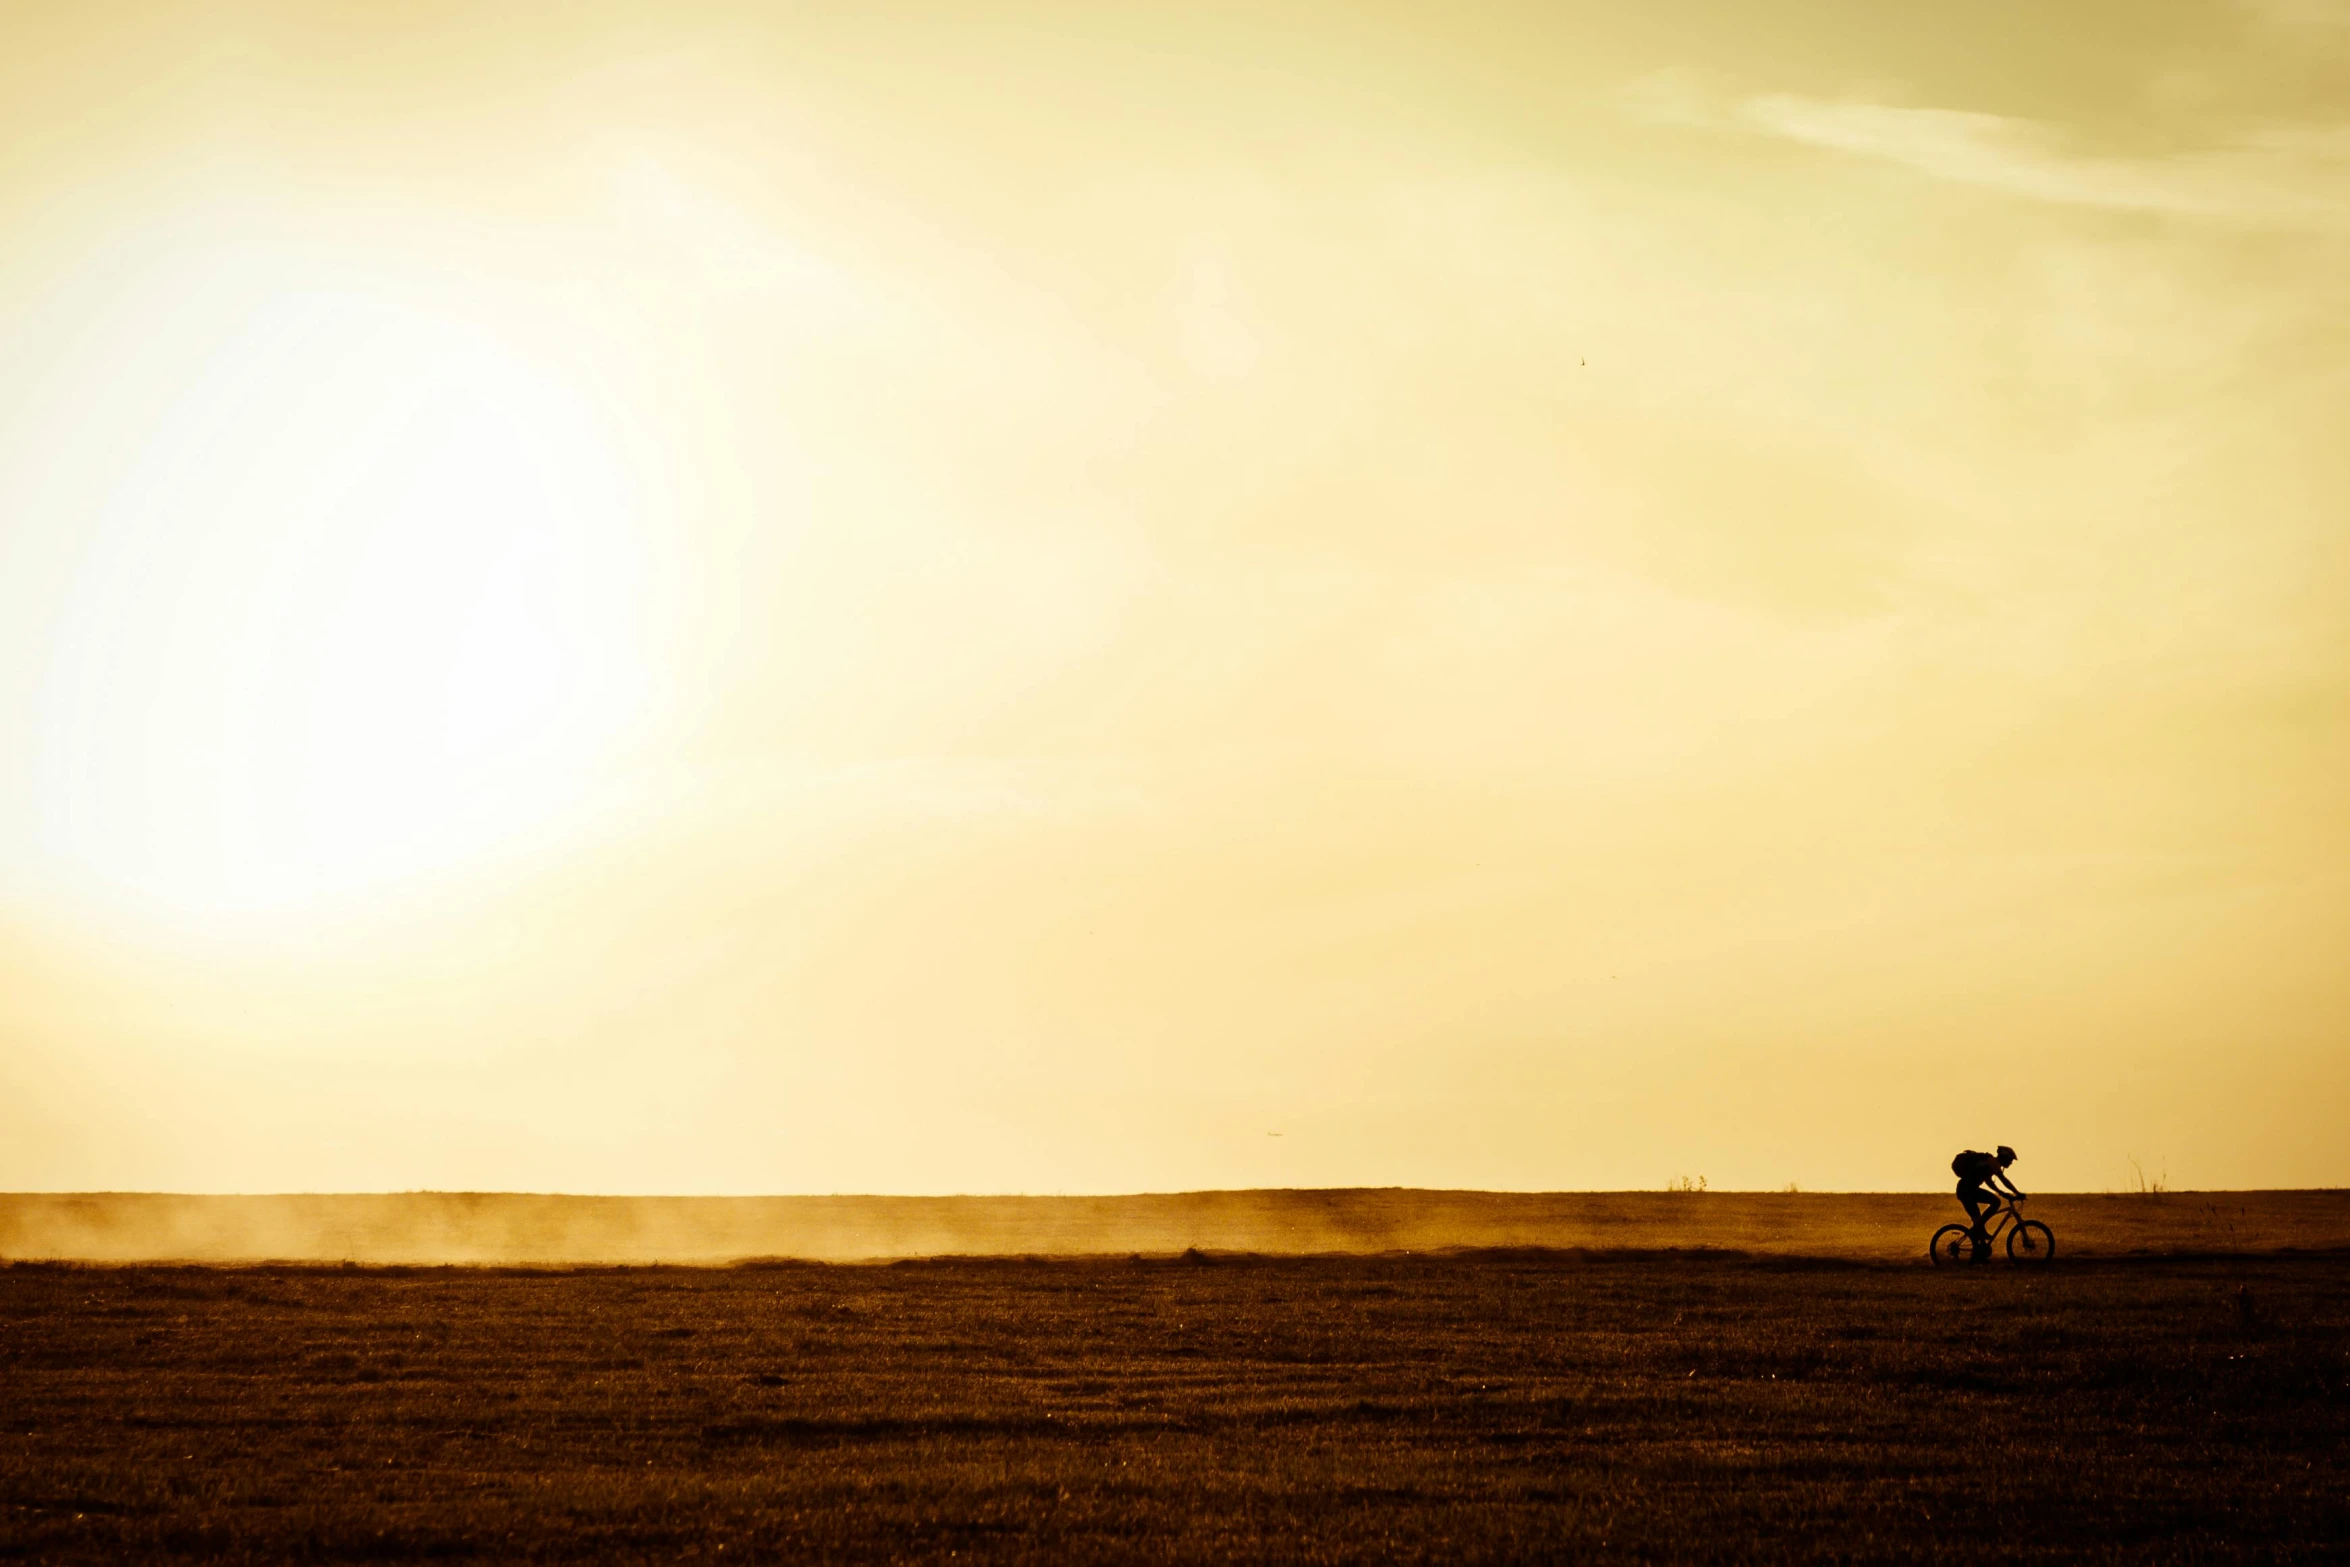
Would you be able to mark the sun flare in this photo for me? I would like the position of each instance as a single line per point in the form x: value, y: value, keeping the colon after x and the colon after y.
x: 357, y: 609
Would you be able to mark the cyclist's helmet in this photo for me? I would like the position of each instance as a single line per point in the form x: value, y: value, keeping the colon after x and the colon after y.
x: 2006, y: 1154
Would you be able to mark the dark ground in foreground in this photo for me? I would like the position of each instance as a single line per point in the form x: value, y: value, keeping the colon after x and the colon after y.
x: 1439, y: 1408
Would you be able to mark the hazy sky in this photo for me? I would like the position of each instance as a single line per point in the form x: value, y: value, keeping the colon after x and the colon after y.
x: 976, y: 597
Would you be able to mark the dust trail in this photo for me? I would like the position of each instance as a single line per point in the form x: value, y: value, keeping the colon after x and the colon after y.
x: 505, y: 1227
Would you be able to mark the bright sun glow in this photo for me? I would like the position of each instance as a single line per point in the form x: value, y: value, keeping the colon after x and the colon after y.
x: 357, y: 610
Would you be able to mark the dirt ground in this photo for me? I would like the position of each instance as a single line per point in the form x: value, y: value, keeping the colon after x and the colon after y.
x: 1494, y: 1406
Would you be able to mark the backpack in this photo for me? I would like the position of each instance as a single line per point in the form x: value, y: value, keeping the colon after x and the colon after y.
x: 1969, y: 1166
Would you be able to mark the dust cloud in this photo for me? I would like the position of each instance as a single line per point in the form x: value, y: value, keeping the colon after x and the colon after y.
x: 532, y: 1229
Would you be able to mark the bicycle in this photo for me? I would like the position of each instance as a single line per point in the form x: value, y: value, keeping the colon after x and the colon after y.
x: 2028, y: 1240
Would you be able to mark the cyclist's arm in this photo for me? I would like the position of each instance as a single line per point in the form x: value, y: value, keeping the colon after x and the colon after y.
x: 2007, y: 1185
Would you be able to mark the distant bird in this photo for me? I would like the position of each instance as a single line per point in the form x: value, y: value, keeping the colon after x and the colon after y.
x: 1272, y: 1134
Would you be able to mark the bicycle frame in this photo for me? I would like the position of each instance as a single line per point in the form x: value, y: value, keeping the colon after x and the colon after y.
x: 2001, y: 1219
x: 2005, y: 1222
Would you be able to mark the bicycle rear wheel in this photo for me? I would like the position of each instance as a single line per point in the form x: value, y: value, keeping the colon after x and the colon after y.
x: 1953, y: 1243
x: 2031, y: 1241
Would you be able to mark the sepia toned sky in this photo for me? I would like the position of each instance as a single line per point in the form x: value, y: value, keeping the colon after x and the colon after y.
x: 1002, y: 597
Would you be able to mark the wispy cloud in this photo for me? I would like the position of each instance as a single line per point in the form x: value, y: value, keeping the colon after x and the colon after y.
x: 2274, y: 177
x: 2312, y: 15
x: 2284, y: 176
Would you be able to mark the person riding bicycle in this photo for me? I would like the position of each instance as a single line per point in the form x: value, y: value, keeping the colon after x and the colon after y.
x: 1982, y: 1180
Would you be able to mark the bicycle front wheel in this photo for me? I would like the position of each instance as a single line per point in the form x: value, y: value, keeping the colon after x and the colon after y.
x: 1952, y: 1243
x: 2031, y: 1241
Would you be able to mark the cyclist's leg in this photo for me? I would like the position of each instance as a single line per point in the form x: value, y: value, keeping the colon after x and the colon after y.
x: 1979, y: 1205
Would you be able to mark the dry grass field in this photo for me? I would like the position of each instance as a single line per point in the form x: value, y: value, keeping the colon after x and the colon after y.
x: 516, y: 1227
x: 1478, y: 1406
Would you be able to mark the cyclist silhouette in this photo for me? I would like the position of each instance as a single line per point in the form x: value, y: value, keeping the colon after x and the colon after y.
x: 1982, y: 1179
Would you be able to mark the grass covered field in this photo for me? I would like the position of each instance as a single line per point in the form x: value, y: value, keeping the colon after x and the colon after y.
x: 1478, y: 1406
